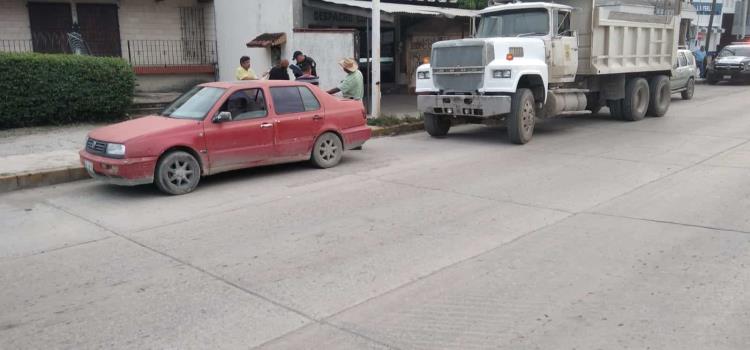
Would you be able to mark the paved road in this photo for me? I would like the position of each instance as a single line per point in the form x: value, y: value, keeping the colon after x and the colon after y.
x: 600, y: 234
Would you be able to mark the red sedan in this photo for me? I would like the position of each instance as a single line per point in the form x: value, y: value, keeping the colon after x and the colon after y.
x: 219, y: 127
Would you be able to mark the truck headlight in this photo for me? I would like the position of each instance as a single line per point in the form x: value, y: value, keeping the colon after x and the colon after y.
x: 115, y: 149
x: 501, y: 74
x: 423, y: 75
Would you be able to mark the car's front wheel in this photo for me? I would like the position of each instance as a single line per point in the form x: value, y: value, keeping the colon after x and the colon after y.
x: 327, y: 151
x: 177, y: 173
x: 687, y: 94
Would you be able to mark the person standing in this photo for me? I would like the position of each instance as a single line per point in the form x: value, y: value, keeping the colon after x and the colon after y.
x: 244, y: 72
x: 700, y: 59
x: 352, y: 87
x: 307, y: 76
x: 301, y: 59
x: 280, y: 72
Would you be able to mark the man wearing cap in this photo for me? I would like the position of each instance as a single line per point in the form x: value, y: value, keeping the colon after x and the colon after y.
x: 352, y: 86
x: 301, y: 59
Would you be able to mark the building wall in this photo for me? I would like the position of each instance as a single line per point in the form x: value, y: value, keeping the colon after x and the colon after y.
x: 240, y: 21
x: 14, y: 20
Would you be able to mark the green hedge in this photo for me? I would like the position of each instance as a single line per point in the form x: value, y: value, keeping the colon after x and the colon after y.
x: 41, y: 89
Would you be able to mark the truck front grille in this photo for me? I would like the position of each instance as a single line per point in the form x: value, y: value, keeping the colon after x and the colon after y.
x: 458, y: 68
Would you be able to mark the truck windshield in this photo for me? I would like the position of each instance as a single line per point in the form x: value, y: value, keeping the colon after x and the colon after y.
x: 526, y: 22
x: 735, y: 51
x: 194, y: 104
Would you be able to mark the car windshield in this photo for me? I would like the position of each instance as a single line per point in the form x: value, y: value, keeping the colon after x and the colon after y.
x: 526, y: 22
x: 194, y: 104
x: 735, y: 51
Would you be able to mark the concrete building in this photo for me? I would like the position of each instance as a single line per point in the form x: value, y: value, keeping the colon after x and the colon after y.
x: 329, y: 30
x: 171, y: 44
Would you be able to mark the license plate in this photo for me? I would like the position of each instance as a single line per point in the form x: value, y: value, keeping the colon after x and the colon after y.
x: 727, y: 77
x: 88, y: 165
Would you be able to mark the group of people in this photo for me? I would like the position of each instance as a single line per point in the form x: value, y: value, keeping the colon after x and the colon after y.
x: 304, y: 70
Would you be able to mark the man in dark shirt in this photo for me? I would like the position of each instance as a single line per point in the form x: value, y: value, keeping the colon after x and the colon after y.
x: 307, y: 76
x: 280, y: 72
x: 301, y: 59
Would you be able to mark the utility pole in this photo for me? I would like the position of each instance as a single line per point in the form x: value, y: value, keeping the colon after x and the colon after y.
x: 744, y: 16
x: 710, y: 25
x: 375, y: 97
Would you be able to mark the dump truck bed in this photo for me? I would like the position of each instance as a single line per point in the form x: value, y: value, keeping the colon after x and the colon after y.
x: 625, y: 36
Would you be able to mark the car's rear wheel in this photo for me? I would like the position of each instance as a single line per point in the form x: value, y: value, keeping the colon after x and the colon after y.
x: 687, y: 94
x: 177, y: 173
x: 327, y: 151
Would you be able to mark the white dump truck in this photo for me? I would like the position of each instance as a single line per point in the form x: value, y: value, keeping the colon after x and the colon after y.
x: 540, y: 59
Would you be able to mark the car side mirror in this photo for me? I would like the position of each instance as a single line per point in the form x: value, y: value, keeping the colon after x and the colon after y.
x: 223, y: 117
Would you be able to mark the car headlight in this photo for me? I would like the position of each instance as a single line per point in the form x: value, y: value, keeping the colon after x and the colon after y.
x: 747, y: 65
x: 423, y: 75
x: 501, y: 74
x: 116, y: 149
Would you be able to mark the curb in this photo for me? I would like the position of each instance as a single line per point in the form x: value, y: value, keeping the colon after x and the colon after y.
x: 48, y: 177
x: 396, y: 130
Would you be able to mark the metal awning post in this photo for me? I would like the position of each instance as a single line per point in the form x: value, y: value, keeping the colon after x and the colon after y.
x: 375, y: 98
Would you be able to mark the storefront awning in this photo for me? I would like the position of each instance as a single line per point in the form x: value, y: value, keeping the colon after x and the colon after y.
x: 268, y: 40
x: 408, y: 9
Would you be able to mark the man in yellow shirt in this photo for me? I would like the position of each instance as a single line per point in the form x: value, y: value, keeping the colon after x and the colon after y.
x: 244, y: 72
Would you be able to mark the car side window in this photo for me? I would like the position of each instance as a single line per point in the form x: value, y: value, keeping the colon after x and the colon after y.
x: 683, y: 60
x: 246, y: 104
x: 308, y: 99
x: 287, y: 100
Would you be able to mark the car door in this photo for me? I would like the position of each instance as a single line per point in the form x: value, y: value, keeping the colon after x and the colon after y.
x: 298, y: 117
x: 680, y: 72
x: 245, y: 140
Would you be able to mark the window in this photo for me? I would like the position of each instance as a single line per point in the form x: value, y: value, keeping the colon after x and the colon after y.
x: 194, y: 104
x: 287, y: 100
x: 514, y: 23
x: 246, y: 104
x: 562, y: 23
x: 683, y: 60
x: 308, y: 98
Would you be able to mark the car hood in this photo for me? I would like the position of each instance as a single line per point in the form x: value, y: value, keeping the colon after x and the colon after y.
x: 131, y: 129
x: 732, y: 59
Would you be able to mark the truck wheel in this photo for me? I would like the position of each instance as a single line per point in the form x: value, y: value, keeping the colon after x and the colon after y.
x: 689, y: 90
x: 661, y: 95
x: 636, y: 101
x: 615, y: 108
x: 177, y: 173
x: 522, y: 117
x: 592, y: 103
x: 436, y: 125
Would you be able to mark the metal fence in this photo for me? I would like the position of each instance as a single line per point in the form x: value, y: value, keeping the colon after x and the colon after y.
x: 171, y: 52
x: 157, y: 53
x: 14, y: 45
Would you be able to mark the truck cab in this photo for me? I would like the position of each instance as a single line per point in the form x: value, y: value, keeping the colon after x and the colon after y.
x: 525, y: 63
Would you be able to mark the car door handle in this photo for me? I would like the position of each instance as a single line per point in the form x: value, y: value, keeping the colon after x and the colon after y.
x: 317, y: 117
x: 266, y: 125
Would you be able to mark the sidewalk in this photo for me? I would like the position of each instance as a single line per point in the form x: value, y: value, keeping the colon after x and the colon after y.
x: 40, y: 156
